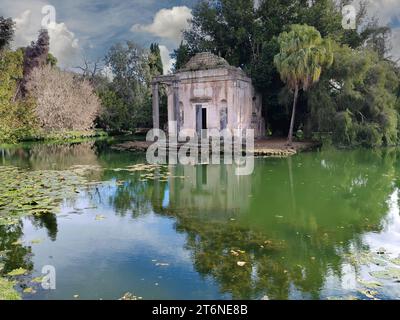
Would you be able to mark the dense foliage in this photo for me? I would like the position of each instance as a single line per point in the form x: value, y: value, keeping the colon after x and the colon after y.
x: 17, y: 118
x: 126, y: 99
x: 357, y: 100
x: 63, y: 101
x: 247, y: 36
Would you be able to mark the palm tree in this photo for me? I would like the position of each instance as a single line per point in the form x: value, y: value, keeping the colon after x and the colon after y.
x: 303, y: 54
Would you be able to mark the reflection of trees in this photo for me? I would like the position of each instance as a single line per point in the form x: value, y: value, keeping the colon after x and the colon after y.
x: 338, y: 195
x: 128, y: 195
x: 12, y: 253
x: 51, y: 156
x: 48, y: 221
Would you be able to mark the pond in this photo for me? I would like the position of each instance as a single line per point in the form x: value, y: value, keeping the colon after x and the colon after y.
x: 319, y: 225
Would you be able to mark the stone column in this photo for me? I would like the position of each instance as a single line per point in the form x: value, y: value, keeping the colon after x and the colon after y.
x: 156, y: 107
x: 177, y: 113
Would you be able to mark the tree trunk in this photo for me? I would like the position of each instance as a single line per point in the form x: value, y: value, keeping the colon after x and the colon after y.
x: 290, y: 136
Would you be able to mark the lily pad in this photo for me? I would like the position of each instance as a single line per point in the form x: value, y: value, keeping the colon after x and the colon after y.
x: 37, y: 280
x: 17, y: 272
x: 370, y: 284
x: 7, y: 291
x: 29, y: 290
x: 37, y: 192
x: 389, y: 273
x: 36, y: 241
x: 369, y: 293
x: 129, y: 296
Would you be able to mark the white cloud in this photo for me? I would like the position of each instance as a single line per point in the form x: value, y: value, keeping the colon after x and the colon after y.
x: 387, y: 11
x: 21, y: 38
x: 167, y: 61
x: 64, y: 45
x: 167, y: 23
x: 396, y: 44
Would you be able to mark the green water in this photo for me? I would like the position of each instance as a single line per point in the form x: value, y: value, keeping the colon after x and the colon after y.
x: 321, y: 225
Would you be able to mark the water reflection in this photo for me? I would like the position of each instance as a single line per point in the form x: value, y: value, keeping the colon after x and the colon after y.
x: 291, y: 225
x: 12, y: 252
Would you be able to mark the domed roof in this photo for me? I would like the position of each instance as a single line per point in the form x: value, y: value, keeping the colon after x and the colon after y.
x: 205, y: 61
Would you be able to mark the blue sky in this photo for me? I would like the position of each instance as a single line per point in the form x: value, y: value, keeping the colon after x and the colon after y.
x: 87, y: 28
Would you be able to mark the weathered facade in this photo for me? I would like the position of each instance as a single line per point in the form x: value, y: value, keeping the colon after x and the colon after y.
x: 208, y: 93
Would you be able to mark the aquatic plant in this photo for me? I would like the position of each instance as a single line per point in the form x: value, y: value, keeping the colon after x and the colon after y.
x: 7, y: 291
x: 35, y: 193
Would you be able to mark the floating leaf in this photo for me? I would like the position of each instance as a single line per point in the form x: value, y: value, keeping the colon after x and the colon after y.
x: 369, y: 293
x: 7, y: 291
x: 370, y: 284
x: 389, y: 273
x: 36, y: 241
x: 37, y: 280
x: 29, y: 290
x: 17, y: 272
x: 129, y: 296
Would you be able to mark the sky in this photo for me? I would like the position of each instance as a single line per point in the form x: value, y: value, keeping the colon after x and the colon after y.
x: 88, y: 28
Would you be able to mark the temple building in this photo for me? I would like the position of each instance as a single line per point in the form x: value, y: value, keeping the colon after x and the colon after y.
x: 208, y: 93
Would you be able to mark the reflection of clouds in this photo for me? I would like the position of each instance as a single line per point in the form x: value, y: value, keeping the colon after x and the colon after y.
x: 389, y: 238
x: 149, y: 232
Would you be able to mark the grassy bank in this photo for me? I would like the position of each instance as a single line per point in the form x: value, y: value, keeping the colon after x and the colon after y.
x: 66, y: 136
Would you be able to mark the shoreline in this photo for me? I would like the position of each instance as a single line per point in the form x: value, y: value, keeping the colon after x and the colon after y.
x: 274, y: 147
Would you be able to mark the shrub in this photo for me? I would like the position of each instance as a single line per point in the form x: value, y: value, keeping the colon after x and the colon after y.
x: 343, y: 129
x: 368, y: 135
x: 64, y: 102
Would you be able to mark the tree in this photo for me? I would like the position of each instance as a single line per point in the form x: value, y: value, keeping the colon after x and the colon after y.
x: 6, y: 32
x: 17, y: 118
x: 130, y: 66
x: 64, y: 101
x: 181, y: 55
x: 245, y: 35
x: 357, y: 99
x: 155, y: 61
x: 36, y: 56
x: 303, y: 54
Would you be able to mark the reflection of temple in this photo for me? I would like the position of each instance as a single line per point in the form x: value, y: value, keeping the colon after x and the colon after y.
x: 208, y: 189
